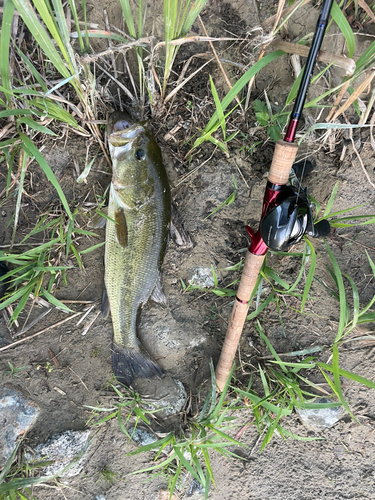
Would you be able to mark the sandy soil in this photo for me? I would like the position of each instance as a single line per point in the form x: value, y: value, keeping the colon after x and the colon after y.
x: 184, y: 336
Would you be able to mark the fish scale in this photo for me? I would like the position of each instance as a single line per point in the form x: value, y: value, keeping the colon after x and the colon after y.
x: 140, y: 204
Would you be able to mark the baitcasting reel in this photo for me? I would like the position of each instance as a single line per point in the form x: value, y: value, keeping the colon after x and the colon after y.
x: 285, y: 224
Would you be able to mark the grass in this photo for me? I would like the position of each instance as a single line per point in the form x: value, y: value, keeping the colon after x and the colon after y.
x: 20, y: 477
x: 37, y: 272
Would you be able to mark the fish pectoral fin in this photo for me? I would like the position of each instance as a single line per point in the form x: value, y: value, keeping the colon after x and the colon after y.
x: 178, y: 233
x: 158, y: 294
x: 99, y: 220
x: 121, y: 228
x: 106, y: 308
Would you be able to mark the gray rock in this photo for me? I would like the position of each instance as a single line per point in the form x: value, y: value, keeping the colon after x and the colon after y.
x: 195, y: 489
x: 62, y: 448
x: 142, y: 437
x: 100, y: 497
x: 165, y: 396
x: 202, y: 276
x: 17, y: 415
x: 321, y: 418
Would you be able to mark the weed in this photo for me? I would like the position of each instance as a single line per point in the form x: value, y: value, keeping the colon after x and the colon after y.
x: 231, y: 198
x: 48, y: 367
x: 19, y: 478
x: 248, y: 149
x: 190, y: 452
x: 108, y: 475
x: 274, y: 122
x: 34, y: 271
x: 129, y: 403
x: 13, y: 370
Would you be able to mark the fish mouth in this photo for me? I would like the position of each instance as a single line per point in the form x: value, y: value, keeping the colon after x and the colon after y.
x: 122, y: 130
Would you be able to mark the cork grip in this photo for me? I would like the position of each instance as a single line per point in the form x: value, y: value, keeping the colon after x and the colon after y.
x: 249, y: 277
x: 282, y: 162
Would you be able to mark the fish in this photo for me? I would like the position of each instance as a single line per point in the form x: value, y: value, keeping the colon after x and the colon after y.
x: 137, y: 228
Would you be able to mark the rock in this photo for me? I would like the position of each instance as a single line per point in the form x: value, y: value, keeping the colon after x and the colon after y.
x: 100, y: 497
x: 166, y: 396
x: 321, y: 418
x: 142, y: 437
x: 62, y: 448
x: 202, y: 276
x: 195, y: 489
x: 17, y: 415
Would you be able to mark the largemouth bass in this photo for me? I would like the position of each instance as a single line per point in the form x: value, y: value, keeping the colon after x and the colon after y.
x: 136, y: 240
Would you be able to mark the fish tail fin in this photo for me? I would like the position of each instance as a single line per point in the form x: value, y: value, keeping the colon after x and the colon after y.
x: 131, y: 363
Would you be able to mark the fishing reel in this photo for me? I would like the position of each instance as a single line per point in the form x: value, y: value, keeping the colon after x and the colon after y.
x: 287, y: 222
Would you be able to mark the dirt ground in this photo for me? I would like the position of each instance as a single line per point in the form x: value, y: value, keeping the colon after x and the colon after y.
x: 184, y: 336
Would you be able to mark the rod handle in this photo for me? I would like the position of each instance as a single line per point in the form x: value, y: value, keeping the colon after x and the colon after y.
x: 282, y: 162
x: 249, y: 277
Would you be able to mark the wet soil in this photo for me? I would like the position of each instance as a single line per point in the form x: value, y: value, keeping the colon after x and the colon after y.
x: 186, y: 334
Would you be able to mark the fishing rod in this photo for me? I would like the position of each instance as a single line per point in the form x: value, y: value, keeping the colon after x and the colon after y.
x: 286, y: 213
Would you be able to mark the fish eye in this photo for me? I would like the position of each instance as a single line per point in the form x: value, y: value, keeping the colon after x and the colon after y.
x: 140, y: 154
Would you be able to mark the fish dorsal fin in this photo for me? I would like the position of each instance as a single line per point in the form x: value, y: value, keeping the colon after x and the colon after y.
x: 121, y: 228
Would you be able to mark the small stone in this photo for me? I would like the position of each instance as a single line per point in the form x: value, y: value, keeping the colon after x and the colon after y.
x: 62, y: 448
x: 142, y: 437
x: 321, y: 418
x: 195, y: 488
x: 17, y: 415
x: 100, y: 497
x: 166, y: 396
x: 202, y: 276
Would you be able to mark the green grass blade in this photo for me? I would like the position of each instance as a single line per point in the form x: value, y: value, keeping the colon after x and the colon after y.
x: 55, y: 302
x: 342, y: 297
x: 272, y: 428
x: 344, y: 27
x: 261, y: 307
x: 355, y: 301
x: 192, y: 15
x: 219, y: 109
x: 186, y: 464
x: 63, y: 32
x: 269, y: 345
x: 366, y: 57
x: 15, y: 112
x: 35, y: 125
x: 55, y: 111
x: 240, y: 84
x: 152, y: 446
x: 94, y: 247
x: 310, y: 275
x: 128, y: 16
x: 32, y: 70
x: 32, y: 151
x: 331, y: 200
x: 275, y: 277
x: 5, y: 45
x: 350, y: 375
x: 40, y: 34
x: 336, y: 376
x: 15, y: 296
x: 75, y: 16
x: 21, y: 304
